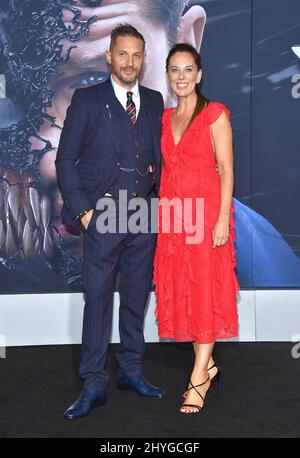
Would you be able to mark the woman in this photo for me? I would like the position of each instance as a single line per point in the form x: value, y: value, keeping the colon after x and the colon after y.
x: 195, y: 283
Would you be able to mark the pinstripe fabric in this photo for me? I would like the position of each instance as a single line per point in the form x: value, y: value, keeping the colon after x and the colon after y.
x: 88, y: 165
x: 88, y: 156
x: 72, y: 140
x: 103, y: 255
x: 136, y: 141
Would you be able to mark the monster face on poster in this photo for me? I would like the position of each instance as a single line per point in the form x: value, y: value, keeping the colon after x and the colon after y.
x: 251, y: 62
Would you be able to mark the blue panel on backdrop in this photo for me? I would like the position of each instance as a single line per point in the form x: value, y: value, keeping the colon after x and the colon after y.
x: 276, y: 143
x: 226, y: 55
x: 250, y: 65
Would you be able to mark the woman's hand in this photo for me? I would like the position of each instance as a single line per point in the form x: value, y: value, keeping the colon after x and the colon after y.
x: 221, y: 232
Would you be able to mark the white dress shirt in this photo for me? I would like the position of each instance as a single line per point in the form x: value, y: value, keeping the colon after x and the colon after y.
x: 121, y: 94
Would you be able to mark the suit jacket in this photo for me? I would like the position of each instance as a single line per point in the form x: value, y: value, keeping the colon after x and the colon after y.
x: 88, y: 156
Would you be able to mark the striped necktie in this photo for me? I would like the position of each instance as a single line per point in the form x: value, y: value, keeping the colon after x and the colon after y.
x: 130, y: 107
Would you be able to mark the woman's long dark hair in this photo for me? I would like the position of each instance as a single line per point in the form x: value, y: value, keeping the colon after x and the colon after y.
x: 202, y: 101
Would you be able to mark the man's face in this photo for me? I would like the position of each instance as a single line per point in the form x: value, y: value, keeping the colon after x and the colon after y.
x: 126, y: 59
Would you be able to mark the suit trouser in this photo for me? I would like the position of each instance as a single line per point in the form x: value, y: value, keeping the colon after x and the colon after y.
x: 103, y: 256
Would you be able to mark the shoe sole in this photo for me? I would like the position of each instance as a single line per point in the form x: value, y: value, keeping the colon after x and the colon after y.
x: 71, y: 417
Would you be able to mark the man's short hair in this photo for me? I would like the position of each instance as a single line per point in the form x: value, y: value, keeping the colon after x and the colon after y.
x: 125, y: 30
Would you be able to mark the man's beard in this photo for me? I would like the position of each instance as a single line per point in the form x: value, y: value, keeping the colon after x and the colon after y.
x: 127, y: 79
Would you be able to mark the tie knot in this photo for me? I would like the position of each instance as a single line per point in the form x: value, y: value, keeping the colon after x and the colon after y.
x: 129, y: 94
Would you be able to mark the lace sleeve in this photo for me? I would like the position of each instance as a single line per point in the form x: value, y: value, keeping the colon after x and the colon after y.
x: 214, y: 111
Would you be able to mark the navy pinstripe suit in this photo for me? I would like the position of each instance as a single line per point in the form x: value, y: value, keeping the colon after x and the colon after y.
x: 88, y: 165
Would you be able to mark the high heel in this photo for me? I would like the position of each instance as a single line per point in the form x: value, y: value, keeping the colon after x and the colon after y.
x: 214, y: 380
x: 196, y: 406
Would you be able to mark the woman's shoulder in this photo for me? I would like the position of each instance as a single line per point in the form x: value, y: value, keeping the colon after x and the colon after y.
x: 166, y: 113
x: 168, y: 110
x: 214, y: 110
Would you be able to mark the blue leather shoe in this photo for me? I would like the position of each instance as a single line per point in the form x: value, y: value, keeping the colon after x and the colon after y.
x: 140, y: 385
x: 84, y: 404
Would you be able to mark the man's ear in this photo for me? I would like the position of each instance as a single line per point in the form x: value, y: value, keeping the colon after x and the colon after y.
x: 192, y: 27
x: 108, y: 57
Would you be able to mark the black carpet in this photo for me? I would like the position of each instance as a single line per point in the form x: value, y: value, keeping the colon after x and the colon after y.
x: 259, y: 394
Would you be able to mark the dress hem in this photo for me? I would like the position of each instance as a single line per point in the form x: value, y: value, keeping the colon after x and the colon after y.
x: 195, y: 339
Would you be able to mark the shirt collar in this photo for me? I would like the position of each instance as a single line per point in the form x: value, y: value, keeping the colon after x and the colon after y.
x: 122, y: 90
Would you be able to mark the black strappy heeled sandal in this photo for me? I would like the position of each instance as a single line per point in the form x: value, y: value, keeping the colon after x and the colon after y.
x: 196, y: 406
x: 215, y: 379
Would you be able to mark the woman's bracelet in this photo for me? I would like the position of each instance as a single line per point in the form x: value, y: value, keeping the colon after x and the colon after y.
x: 227, y: 213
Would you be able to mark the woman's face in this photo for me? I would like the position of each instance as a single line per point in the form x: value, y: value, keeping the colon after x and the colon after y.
x: 183, y: 74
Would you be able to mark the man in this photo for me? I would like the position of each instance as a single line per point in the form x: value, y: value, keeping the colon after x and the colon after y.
x: 111, y: 143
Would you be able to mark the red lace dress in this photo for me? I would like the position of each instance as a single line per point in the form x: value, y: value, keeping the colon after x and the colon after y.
x: 196, y: 284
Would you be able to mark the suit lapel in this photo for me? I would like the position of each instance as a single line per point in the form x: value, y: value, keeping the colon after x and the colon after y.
x: 153, y: 115
x: 108, y: 103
